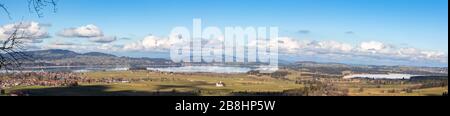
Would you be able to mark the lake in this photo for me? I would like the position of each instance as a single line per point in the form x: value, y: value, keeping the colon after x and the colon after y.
x: 381, y: 76
x: 184, y: 69
x: 76, y: 69
x: 203, y: 69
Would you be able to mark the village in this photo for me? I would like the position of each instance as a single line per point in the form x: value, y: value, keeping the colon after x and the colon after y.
x: 284, y: 82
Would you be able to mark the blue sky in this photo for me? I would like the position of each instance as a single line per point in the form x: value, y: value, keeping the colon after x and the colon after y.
x: 421, y: 24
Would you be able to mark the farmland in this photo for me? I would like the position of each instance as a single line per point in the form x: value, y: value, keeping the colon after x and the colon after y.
x: 148, y: 83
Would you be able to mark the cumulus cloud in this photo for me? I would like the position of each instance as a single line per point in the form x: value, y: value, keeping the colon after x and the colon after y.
x: 331, y: 46
x: 370, y: 51
x: 151, y: 43
x: 372, y: 46
x: 31, y: 32
x: 87, y: 31
x: 92, y: 32
x: 294, y: 46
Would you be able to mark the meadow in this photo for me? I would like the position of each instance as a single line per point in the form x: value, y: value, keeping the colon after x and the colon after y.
x: 147, y: 83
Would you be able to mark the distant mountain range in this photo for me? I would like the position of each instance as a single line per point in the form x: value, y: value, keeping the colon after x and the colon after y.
x: 54, y: 54
x: 57, y: 57
x: 338, y: 68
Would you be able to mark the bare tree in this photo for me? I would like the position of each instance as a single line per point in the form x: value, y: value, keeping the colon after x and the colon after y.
x: 34, y: 6
x: 12, y: 49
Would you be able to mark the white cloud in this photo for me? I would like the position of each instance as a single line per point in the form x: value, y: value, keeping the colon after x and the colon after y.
x: 92, y: 32
x: 87, y: 31
x: 109, y: 47
x: 293, y: 46
x: 151, y: 43
x: 372, y: 46
x: 31, y: 32
x: 332, y: 46
x: 133, y: 47
x: 369, y: 50
x: 290, y: 45
x: 365, y: 51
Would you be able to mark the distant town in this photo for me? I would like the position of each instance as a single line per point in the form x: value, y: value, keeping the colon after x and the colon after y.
x: 54, y: 71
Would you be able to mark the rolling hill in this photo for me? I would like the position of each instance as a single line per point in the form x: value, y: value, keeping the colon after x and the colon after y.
x: 57, y: 57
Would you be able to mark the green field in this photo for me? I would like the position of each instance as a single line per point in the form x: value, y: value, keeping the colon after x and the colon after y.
x: 203, y: 84
x: 160, y: 84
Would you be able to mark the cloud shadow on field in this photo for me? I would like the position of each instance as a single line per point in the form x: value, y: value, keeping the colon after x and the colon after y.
x: 97, y: 90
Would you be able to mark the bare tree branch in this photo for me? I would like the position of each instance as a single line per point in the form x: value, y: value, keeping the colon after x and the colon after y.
x: 11, y: 50
x: 12, y: 54
x: 37, y: 6
x: 3, y: 7
x: 34, y: 6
